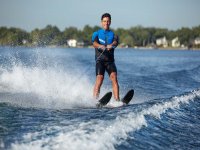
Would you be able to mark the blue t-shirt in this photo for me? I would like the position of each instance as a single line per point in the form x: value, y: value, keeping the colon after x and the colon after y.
x: 104, y: 37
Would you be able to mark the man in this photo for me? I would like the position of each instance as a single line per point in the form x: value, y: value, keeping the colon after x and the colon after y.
x: 104, y: 41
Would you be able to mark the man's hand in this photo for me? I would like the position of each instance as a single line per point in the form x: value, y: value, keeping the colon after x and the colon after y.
x: 102, y: 47
x: 109, y: 47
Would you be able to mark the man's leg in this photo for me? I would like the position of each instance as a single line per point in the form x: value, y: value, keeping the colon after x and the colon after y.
x: 113, y: 78
x: 97, y: 86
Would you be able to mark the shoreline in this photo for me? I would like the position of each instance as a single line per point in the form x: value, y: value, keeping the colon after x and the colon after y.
x: 91, y: 47
x: 167, y: 48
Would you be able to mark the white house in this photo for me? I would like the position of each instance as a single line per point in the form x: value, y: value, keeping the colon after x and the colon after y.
x: 24, y: 41
x: 72, y: 42
x: 176, y: 42
x: 197, y: 41
x: 162, y: 42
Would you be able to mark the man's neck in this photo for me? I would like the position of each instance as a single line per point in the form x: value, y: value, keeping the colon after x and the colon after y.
x: 105, y: 29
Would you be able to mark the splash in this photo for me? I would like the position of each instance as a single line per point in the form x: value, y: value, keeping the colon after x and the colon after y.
x: 39, y: 86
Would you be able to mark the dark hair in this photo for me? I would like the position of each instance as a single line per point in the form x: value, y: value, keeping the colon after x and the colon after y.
x: 106, y: 15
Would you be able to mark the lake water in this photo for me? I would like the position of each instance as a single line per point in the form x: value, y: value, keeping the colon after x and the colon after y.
x: 46, y: 100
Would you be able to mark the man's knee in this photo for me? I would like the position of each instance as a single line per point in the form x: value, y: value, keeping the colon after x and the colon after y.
x: 113, y: 76
x: 99, y: 78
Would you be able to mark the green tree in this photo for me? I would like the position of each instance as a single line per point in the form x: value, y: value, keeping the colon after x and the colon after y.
x: 71, y: 33
x: 140, y: 35
x: 35, y: 37
x: 13, y: 36
x: 185, y: 36
x: 87, y: 33
x: 47, y: 36
x: 161, y: 33
x: 196, y: 31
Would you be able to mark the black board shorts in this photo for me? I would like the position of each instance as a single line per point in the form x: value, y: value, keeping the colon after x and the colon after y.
x: 101, y: 67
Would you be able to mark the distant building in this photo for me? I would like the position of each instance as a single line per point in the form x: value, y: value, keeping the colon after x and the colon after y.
x: 80, y: 44
x: 72, y: 42
x: 123, y: 45
x: 24, y: 41
x: 197, y: 41
x: 176, y: 42
x: 162, y: 42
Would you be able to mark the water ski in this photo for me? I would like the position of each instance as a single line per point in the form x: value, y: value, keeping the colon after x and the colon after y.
x: 104, y: 100
x: 127, y: 98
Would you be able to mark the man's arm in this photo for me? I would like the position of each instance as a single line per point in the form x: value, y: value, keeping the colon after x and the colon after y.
x: 97, y: 45
x: 114, y: 43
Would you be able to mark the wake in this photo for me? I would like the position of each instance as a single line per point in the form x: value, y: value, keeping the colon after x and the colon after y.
x: 103, y: 134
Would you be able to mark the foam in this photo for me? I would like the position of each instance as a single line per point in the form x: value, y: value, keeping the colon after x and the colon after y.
x: 113, y: 103
x: 157, y: 109
x: 100, y: 134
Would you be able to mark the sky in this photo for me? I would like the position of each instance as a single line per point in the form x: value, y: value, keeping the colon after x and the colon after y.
x: 32, y: 14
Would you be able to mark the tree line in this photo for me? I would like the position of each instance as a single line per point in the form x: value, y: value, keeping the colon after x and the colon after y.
x: 134, y: 36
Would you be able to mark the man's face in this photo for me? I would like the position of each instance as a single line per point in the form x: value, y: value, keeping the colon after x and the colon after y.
x: 106, y: 23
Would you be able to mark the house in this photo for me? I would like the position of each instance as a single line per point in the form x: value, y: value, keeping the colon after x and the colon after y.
x: 24, y: 41
x: 162, y: 42
x: 197, y: 41
x: 72, y: 42
x: 176, y: 42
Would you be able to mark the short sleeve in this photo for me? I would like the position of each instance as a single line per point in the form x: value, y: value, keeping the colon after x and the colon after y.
x: 116, y: 38
x: 94, y: 36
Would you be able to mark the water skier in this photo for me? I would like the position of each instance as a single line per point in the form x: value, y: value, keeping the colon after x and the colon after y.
x: 105, y: 41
